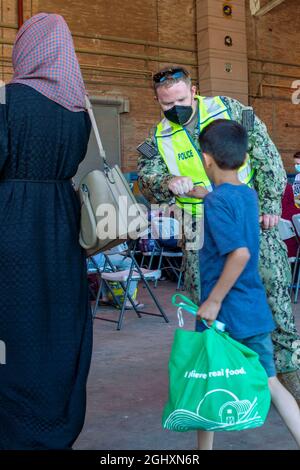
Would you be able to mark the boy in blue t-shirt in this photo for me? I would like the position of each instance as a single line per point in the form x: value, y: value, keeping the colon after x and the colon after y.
x: 231, y: 288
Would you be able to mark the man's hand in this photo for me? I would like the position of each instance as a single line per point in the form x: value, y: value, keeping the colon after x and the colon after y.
x: 269, y: 221
x: 198, y: 192
x: 180, y: 185
x: 209, y: 311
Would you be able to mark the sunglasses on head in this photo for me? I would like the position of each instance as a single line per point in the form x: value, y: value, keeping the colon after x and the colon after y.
x: 177, y: 72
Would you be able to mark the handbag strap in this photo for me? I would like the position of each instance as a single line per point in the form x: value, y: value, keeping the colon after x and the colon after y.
x: 96, y: 132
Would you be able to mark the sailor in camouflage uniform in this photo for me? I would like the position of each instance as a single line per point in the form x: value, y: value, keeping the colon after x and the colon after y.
x: 168, y: 166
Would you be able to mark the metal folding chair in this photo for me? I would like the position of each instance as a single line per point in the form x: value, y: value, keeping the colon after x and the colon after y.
x: 296, y: 224
x: 167, y: 229
x: 168, y: 257
x: 286, y: 231
x: 150, y: 253
x: 124, y: 278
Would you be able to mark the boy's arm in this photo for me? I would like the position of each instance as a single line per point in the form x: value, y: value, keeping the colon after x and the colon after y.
x: 235, y: 264
x: 270, y: 176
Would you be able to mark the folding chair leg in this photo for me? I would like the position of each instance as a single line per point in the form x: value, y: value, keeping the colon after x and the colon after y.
x: 144, y: 280
x: 127, y: 296
x: 175, y: 270
x: 159, y: 265
x: 155, y: 300
x: 293, y: 278
x: 122, y: 306
x: 94, y: 311
x: 295, y: 272
x: 151, y: 260
x: 121, y: 317
x: 179, y: 281
x: 115, y: 299
x: 297, y: 288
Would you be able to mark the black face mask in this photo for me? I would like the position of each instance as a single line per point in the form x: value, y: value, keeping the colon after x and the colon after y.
x: 179, y: 114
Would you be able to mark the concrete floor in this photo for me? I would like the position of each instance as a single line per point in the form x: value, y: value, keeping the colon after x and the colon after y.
x: 128, y: 386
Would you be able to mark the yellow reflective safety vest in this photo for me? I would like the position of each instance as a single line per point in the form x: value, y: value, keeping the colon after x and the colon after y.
x: 184, y: 159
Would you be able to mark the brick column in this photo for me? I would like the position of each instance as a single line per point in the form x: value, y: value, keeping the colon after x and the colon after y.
x: 222, y: 48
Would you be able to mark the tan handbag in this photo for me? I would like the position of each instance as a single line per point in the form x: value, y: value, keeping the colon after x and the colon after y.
x: 110, y: 213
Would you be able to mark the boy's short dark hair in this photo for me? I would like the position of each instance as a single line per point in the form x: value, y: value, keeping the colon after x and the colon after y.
x: 226, y: 142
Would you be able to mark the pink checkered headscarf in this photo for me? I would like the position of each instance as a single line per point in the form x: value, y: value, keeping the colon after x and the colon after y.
x: 44, y: 59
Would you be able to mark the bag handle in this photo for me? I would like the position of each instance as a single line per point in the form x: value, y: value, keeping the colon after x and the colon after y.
x: 96, y: 132
x: 87, y: 203
x: 185, y: 304
x: 189, y: 306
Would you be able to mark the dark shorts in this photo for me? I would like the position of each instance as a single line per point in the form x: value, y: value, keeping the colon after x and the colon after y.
x: 263, y: 346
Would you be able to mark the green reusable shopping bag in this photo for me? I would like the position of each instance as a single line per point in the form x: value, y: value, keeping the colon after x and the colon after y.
x: 215, y: 383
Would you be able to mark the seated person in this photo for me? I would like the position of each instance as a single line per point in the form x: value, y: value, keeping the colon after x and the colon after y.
x: 296, y: 184
x: 165, y: 228
x: 288, y: 210
x: 121, y: 262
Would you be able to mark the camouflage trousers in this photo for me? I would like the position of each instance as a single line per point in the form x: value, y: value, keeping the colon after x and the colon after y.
x: 276, y: 275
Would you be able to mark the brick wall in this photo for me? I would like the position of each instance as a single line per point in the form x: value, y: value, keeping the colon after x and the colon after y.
x: 274, y: 37
x: 150, y: 25
x: 128, y: 77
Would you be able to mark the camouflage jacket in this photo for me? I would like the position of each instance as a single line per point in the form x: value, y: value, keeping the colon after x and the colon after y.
x: 269, y: 179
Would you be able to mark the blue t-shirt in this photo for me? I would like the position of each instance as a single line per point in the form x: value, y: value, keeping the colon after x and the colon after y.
x: 231, y: 221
